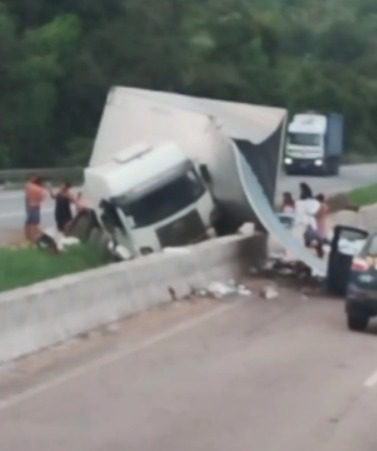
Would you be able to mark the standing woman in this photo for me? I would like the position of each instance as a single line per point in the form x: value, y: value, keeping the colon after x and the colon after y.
x: 307, y: 208
x: 63, y: 212
x: 305, y: 192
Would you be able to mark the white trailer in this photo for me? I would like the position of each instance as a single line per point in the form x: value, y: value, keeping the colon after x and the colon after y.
x: 208, y: 131
x: 237, y: 148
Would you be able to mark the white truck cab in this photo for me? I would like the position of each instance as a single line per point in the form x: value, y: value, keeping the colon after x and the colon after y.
x: 150, y: 197
x: 314, y: 143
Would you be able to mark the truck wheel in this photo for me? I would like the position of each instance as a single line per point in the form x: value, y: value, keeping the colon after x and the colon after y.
x: 326, y: 168
x: 333, y: 167
x: 336, y: 168
x: 289, y: 171
x: 357, y: 321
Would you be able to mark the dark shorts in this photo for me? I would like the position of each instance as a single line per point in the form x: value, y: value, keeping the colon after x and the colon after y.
x: 33, y: 216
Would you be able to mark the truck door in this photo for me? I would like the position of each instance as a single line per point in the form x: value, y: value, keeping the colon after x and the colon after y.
x: 112, y: 221
x: 347, y: 242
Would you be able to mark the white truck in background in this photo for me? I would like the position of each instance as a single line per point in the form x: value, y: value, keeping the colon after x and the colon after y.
x: 314, y: 144
x: 150, y: 197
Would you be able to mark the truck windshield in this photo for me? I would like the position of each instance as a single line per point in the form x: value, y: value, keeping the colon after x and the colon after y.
x: 165, y: 201
x: 304, y: 139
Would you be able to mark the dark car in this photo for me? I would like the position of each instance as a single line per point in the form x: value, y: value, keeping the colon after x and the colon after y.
x: 361, y: 301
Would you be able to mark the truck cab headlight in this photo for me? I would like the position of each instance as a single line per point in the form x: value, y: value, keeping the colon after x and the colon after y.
x: 318, y: 163
x: 288, y: 161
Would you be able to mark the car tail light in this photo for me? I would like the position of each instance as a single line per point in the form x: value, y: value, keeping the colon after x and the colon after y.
x: 360, y: 265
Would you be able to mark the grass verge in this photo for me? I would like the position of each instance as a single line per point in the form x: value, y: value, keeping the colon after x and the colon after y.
x: 366, y: 195
x: 23, y: 267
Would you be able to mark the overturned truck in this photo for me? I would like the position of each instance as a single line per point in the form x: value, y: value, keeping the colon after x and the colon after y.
x: 227, y: 154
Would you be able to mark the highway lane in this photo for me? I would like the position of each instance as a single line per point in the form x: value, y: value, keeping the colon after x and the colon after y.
x: 12, y: 202
x: 245, y: 374
x: 12, y: 216
x: 350, y: 177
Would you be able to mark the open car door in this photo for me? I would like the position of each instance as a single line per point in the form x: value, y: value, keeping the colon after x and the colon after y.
x: 346, y: 244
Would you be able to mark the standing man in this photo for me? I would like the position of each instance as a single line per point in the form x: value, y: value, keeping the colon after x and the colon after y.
x: 63, y: 212
x: 35, y: 194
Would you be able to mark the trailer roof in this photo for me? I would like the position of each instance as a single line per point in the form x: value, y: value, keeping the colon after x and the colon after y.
x: 254, y: 123
x: 132, y: 113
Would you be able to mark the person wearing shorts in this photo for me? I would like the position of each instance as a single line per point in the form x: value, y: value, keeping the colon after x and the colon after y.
x: 35, y: 194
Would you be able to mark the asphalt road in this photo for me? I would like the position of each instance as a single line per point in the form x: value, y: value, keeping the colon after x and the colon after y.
x: 242, y: 374
x: 12, y: 216
x: 350, y: 177
x: 12, y: 203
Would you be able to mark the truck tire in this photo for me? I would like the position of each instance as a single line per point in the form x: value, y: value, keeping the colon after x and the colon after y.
x: 357, y: 321
x: 336, y: 168
x: 333, y: 167
x: 289, y: 170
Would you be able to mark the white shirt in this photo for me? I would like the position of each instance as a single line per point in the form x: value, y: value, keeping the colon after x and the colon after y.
x: 306, y: 211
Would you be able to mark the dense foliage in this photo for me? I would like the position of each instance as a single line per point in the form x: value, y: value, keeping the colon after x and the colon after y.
x: 59, y: 58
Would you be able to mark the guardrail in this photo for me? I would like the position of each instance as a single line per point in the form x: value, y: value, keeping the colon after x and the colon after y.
x: 16, y: 177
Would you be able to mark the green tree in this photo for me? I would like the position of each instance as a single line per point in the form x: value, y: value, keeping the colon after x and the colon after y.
x: 59, y: 58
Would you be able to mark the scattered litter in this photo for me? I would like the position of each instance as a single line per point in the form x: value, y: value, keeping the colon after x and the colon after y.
x: 247, y: 229
x: 244, y: 291
x: 270, y: 293
x: 119, y: 252
x: 54, y: 240
x: 219, y: 290
x: 46, y: 243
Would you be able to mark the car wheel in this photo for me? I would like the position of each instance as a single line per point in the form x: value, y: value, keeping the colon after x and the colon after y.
x: 357, y: 321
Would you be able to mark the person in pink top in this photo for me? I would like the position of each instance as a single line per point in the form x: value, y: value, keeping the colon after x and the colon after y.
x: 80, y: 203
x: 288, y: 204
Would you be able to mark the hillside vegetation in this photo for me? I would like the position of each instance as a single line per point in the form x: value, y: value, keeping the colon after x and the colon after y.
x: 59, y: 58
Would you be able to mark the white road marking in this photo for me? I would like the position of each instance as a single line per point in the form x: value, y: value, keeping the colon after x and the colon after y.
x: 371, y: 381
x: 115, y: 357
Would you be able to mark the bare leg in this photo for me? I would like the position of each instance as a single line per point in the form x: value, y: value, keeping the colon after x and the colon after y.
x: 35, y: 233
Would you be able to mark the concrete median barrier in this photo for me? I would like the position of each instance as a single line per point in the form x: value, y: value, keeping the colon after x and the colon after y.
x: 45, y: 314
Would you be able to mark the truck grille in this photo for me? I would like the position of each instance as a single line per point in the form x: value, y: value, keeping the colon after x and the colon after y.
x: 186, y: 230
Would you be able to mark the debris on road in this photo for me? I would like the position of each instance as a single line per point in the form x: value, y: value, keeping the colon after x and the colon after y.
x: 220, y: 290
x: 119, y: 252
x: 270, y: 293
x: 52, y: 240
x: 247, y: 229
